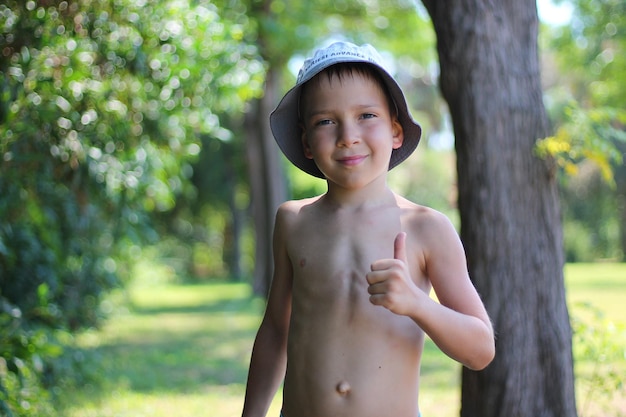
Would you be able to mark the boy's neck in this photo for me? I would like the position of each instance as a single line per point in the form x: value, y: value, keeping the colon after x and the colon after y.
x: 373, y: 195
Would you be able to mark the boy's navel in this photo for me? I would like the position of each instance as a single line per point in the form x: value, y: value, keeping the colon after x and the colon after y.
x: 343, y: 388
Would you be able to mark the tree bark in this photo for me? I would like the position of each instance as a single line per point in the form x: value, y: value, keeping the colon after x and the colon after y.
x: 267, y: 181
x: 508, y: 203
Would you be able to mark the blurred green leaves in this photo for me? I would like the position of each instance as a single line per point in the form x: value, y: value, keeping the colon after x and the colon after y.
x: 588, y: 102
x: 587, y: 135
x: 103, y: 105
x: 585, y: 96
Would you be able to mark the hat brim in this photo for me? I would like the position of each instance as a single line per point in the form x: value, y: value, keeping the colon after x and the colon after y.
x: 285, y: 124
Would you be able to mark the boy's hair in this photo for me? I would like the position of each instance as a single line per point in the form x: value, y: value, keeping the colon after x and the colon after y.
x: 344, y: 69
x: 285, y: 119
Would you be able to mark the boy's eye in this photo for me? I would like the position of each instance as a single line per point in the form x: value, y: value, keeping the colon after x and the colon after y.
x: 323, y: 122
x: 368, y: 116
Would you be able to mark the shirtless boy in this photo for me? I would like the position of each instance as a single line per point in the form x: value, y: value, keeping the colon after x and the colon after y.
x: 349, y: 306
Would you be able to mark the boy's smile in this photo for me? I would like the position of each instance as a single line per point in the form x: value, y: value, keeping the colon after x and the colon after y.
x: 352, y: 160
x: 348, y: 129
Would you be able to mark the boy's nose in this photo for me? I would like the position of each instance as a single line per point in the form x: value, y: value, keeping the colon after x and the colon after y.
x: 348, y: 135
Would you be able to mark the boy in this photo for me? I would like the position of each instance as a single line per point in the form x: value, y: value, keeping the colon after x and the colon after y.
x: 348, y: 306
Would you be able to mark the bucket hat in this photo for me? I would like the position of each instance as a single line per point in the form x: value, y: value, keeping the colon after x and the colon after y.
x: 284, y: 120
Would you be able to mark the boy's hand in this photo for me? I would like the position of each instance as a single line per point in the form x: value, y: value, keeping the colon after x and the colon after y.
x: 390, y: 283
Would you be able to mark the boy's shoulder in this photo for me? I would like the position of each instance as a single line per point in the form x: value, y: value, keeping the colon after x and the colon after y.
x: 416, y: 209
x: 295, y: 206
x: 292, y: 208
x: 422, y: 217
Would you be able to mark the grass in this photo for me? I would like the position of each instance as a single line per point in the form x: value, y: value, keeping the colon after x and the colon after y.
x: 176, y: 351
x: 596, y: 295
x: 183, y: 350
x: 601, y: 284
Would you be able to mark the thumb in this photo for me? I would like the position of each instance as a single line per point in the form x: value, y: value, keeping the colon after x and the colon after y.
x: 399, y: 247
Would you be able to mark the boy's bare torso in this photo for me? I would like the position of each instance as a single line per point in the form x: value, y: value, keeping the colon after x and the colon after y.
x: 347, y: 357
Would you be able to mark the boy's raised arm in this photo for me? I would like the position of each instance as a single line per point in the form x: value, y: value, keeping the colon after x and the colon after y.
x: 269, y: 354
x: 459, y: 323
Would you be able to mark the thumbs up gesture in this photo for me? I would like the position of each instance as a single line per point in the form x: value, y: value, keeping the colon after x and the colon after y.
x: 390, y: 283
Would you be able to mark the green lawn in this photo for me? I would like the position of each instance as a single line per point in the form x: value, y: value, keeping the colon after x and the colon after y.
x: 602, y: 284
x: 184, y: 351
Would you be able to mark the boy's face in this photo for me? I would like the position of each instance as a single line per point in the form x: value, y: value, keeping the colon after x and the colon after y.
x: 347, y: 127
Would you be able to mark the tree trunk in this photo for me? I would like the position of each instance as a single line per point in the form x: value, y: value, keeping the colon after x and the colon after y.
x: 267, y: 181
x: 235, y: 226
x: 508, y: 202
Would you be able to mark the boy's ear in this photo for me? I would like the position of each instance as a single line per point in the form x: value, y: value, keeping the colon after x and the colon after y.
x: 305, y: 143
x: 398, y: 133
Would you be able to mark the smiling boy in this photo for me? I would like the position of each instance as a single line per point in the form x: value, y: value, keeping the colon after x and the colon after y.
x: 349, y: 302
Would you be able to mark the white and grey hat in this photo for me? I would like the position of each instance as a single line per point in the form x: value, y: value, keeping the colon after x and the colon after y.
x: 285, y: 122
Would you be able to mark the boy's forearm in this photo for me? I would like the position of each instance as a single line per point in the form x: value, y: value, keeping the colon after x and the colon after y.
x: 267, y: 371
x: 473, y: 345
x: 465, y: 338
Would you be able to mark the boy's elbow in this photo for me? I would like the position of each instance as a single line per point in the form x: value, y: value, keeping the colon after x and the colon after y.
x: 482, y: 362
x: 483, y: 358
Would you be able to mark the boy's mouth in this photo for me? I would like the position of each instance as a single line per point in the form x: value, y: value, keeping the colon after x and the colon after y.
x: 352, y: 159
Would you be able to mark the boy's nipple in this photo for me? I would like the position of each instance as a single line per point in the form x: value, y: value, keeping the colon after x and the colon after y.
x: 343, y: 388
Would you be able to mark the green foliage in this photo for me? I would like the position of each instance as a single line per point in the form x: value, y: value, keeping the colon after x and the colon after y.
x: 593, y: 51
x: 102, y: 105
x: 24, y: 348
x: 591, y: 229
x: 597, y: 342
x: 587, y: 135
x: 578, y: 245
x: 586, y: 103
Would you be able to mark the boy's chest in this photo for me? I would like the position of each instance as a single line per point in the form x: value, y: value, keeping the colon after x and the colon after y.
x: 338, y: 247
